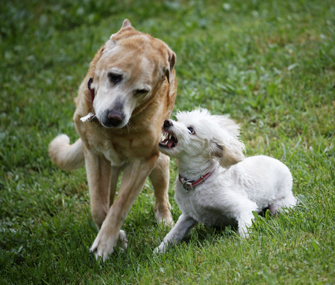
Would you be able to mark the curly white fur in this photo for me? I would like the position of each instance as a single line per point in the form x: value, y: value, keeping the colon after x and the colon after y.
x: 238, y: 186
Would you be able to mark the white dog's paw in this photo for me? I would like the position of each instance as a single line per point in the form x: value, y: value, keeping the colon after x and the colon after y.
x: 243, y: 232
x: 104, y: 244
x: 162, y: 248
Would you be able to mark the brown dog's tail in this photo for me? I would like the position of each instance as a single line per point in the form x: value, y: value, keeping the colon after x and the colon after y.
x: 66, y: 156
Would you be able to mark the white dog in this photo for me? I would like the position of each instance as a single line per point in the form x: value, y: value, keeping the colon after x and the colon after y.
x: 216, y: 185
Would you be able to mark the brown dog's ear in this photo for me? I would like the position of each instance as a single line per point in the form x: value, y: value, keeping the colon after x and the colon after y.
x: 171, y: 63
x: 110, y: 44
x: 95, y: 60
x: 126, y: 24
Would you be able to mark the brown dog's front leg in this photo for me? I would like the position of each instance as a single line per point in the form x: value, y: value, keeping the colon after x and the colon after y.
x: 160, y: 177
x: 114, y: 178
x: 133, y: 179
x: 99, y: 182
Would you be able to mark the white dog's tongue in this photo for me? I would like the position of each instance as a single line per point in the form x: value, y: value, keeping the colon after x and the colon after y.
x: 170, y: 143
x: 168, y: 140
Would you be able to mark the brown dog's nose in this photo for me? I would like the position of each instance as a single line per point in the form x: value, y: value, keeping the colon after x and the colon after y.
x: 167, y: 123
x: 115, y: 118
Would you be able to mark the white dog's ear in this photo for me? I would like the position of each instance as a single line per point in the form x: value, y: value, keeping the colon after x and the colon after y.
x: 228, y: 153
x: 228, y: 125
x: 225, y: 145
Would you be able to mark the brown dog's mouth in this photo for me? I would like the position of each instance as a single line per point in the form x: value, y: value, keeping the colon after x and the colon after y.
x: 168, y: 140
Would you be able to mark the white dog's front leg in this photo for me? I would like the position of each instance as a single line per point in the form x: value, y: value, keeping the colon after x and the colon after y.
x: 179, y: 231
x: 245, y: 217
x: 243, y: 225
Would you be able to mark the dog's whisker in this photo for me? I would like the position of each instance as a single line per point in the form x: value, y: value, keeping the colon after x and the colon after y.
x: 131, y: 126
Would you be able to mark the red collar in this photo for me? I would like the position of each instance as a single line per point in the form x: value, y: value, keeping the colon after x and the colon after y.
x: 190, y: 184
x: 89, y: 88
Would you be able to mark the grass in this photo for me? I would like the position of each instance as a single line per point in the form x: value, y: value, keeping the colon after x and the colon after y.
x: 269, y: 64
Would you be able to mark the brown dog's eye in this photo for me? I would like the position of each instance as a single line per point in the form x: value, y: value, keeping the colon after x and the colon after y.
x: 141, y: 91
x: 114, y: 78
x: 192, y: 131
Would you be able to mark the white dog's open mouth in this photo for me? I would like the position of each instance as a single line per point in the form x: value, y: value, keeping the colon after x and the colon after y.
x: 168, y: 140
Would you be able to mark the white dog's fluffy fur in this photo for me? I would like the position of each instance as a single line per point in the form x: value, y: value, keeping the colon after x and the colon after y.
x: 238, y: 186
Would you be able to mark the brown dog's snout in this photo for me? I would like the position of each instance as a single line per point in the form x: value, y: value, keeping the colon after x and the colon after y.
x: 167, y: 123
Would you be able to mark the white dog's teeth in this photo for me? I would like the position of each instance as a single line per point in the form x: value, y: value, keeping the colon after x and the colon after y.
x: 169, y: 136
x: 163, y: 136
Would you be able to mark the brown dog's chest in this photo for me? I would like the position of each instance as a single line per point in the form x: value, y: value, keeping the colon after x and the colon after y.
x: 121, y: 148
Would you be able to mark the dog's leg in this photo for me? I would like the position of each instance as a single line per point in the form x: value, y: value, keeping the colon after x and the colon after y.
x: 160, y: 177
x: 179, y: 231
x: 244, y: 215
x: 99, y: 177
x: 288, y: 201
x: 285, y: 196
x: 133, y: 179
x: 114, y: 177
x: 244, y: 222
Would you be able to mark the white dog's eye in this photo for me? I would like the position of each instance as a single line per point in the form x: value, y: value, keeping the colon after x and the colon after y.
x: 192, y: 131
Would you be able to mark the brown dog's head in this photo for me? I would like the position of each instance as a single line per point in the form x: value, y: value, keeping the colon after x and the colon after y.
x: 130, y: 71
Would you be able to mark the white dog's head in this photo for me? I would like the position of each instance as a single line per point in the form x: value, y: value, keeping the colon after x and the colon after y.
x: 198, y: 134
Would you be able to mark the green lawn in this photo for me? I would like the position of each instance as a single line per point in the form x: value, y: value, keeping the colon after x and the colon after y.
x: 269, y: 64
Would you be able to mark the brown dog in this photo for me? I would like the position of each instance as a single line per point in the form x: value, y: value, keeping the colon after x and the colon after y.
x: 133, y: 86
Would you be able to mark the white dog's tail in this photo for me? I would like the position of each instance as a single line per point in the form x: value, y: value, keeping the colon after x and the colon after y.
x: 66, y: 156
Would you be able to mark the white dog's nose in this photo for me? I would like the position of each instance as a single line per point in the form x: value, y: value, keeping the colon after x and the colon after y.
x: 167, y: 123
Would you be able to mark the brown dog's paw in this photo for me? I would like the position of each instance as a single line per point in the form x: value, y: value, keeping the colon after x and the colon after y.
x: 123, y: 242
x: 104, y: 244
x: 164, y: 217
